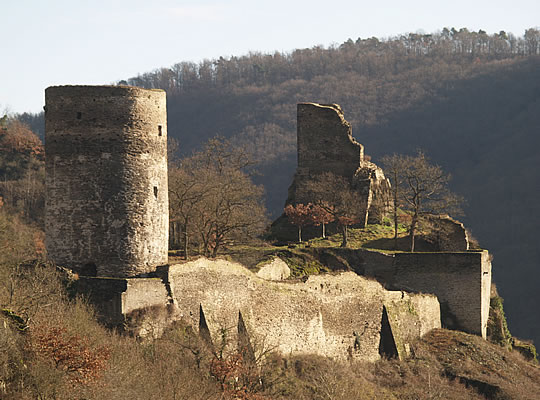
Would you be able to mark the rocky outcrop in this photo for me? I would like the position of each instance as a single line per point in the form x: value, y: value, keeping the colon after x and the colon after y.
x: 275, y: 270
x: 450, y: 235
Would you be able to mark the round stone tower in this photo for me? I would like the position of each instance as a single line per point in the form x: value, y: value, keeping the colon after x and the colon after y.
x: 106, y: 163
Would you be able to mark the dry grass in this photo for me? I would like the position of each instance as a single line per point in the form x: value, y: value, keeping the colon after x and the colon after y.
x: 88, y: 361
x: 445, y: 364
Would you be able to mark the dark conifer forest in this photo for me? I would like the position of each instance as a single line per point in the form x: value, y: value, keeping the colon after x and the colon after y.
x: 469, y: 100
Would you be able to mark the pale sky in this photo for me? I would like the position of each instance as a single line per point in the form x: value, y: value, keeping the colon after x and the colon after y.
x: 58, y: 42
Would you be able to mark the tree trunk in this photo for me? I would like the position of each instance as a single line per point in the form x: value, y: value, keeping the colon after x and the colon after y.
x: 323, y: 230
x: 412, y: 231
x: 344, y: 232
x: 174, y: 242
x: 171, y: 235
x: 215, y: 250
x: 395, y: 221
x: 300, y: 234
x: 186, y: 242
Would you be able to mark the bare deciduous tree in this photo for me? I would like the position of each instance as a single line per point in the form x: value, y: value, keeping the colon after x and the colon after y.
x: 393, y: 169
x: 212, y: 194
x: 420, y: 187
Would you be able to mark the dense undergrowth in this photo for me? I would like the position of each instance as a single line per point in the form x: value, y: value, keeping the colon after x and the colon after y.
x: 61, y: 352
x: 52, y: 347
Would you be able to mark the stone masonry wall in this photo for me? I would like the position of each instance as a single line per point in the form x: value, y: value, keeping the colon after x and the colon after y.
x: 338, y: 316
x: 106, y: 164
x: 326, y: 144
x: 325, y: 141
x: 461, y: 281
x: 114, y: 298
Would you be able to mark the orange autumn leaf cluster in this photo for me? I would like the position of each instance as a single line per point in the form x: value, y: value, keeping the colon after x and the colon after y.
x: 70, y: 353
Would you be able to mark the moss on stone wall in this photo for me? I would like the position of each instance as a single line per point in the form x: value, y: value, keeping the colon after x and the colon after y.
x: 497, y: 327
x: 498, y: 332
x: 302, y: 263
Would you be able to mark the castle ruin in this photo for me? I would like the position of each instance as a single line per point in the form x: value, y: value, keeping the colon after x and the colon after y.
x: 106, y: 218
x: 326, y: 144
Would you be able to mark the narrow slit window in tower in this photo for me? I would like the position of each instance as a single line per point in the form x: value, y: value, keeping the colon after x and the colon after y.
x: 155, y: 191
x: 159, y: 130
x: 79, y: 115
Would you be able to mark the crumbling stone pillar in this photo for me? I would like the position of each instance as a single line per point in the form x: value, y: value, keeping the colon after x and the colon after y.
x: 326, y: 144
x: 325, y: 141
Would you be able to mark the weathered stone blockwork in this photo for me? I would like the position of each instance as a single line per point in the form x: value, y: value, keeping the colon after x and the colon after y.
x: 115, y: 298
x: 106, y: 162
x: 325, y: 141
x: 338, y: 316
x: 326, y: 144
x: 461, y: 282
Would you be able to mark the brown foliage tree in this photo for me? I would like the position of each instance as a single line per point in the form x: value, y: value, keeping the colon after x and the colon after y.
x: 17, y: 137
x: 320, y: 216
x: 213, y: 195
x: 335, y: 195
x: 299, y: 215
x: 69, y: 353
x: 22, y: 173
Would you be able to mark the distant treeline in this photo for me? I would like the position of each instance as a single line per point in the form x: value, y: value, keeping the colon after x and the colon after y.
x: 367, y: 57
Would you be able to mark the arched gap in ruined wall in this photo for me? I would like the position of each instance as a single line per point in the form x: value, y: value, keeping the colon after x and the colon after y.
x: 204, y: 331
x: 387, y: 344
x: 244, y: 344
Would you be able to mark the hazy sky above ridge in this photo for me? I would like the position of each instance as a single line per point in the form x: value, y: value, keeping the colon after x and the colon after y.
x: 58, y: 42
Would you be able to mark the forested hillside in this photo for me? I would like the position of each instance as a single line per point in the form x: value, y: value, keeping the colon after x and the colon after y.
x: 470, y: 100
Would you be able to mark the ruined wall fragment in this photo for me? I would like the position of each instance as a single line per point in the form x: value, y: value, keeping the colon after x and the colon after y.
x: 408, y: 316
x: 337, y: 316
x: 326, y: 144
x: 116, y: 298
x: 461, y: 282
x: 450, y: 235
x: 325, y: 141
